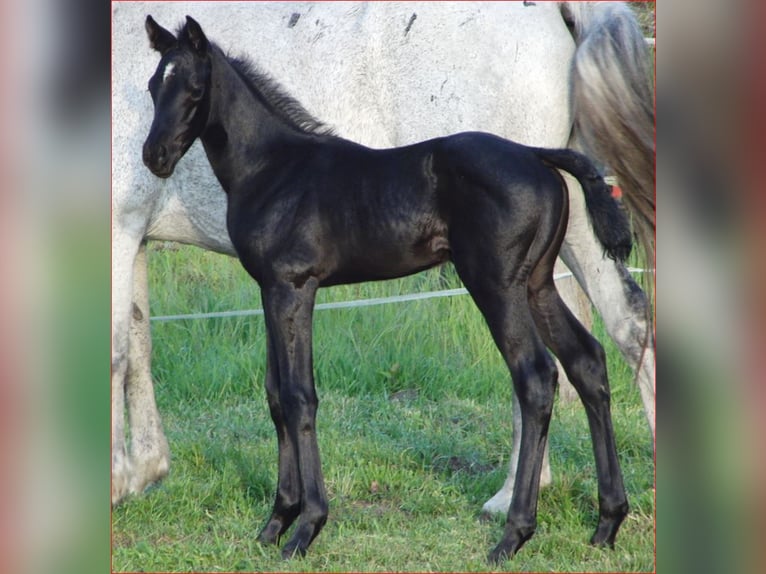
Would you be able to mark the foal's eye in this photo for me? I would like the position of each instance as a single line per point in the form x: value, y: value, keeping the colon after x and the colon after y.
x: 197, y: 93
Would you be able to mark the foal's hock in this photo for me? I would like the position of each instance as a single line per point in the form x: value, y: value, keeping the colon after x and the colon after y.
x: 308, y: 209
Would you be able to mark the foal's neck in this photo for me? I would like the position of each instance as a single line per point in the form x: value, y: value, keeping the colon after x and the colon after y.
x: 239, y: 127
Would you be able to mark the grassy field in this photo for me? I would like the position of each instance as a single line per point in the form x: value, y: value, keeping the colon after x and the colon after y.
x: 414, y: 429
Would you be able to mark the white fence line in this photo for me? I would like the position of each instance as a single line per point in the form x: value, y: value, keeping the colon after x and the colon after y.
x: 348, y: 304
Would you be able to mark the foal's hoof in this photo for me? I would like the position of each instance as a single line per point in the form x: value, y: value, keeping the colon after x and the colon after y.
x: 513, y: 539
x: 607, y: 528
x: 499, y: 555
x: 604, y: 535
x: 608, y: 525
x: 270, y: 533
x: 292, y: 550
x: 300, y: 541
x: 505, y: 550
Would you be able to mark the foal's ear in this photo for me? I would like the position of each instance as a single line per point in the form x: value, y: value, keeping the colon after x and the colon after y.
x: 194, y: 35
x: 159, y: 38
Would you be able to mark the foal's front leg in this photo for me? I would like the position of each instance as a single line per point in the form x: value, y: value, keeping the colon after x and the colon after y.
x: 288, y: 310
x: 287, y: 505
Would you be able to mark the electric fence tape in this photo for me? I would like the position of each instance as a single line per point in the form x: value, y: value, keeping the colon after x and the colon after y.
x: 347, y: 304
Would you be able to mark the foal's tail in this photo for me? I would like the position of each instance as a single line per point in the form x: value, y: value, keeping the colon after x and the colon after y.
x: 613, y: 104
x: 610, y: 222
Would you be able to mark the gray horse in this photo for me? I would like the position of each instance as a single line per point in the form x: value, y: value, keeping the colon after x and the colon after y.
x: 387, y: 74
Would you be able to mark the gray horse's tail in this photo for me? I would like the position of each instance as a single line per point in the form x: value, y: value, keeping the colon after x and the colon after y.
x: 613, y: 104
x: 609, y: 220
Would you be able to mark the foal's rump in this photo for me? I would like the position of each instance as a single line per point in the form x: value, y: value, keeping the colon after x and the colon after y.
x: 488, y: 160
x: 487, y: 184
x: 523, y: 185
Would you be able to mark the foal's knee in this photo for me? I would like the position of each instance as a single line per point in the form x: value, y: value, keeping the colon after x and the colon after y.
x: 299, y: 408
x: 587, y: 371
x: 536, y: 390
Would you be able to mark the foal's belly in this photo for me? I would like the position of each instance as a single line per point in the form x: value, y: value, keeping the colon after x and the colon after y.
x: 378, y: 260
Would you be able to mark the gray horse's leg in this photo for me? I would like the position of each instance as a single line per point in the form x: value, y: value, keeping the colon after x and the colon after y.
x: 149, y: 452
x: 124, y: 249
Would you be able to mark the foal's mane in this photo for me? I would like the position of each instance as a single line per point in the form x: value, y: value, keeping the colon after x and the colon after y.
x: 271, y: 94
x: 276, y: 98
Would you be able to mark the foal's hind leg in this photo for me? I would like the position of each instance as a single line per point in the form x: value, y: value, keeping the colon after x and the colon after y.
x: 501, y: 501
x: 534, y: 382
x: 584, y: 360
x: 503, y: 302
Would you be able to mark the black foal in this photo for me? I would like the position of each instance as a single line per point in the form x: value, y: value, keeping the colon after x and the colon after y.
x: 308, y: 209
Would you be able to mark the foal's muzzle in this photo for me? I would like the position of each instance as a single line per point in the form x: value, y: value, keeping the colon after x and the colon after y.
x: 157, y: 159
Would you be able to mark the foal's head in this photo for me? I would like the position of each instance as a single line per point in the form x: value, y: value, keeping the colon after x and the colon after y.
x: 180, y: 91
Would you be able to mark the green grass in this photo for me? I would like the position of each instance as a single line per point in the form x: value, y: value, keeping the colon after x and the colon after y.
x: 414, y: 430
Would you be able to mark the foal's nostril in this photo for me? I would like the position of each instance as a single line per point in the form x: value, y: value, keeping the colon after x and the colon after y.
x: 156, y: 156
